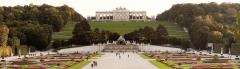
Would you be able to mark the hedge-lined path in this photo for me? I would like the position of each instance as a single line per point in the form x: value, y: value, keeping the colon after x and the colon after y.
x: 111, y: 61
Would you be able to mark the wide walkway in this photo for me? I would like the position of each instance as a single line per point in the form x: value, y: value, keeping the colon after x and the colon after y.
x: 111, y: 61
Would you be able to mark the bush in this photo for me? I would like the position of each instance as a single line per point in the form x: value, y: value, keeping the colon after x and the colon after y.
x: 3, y: 60
x: 58, y: 64
x: 237, y: 58
x: 166, y: 59
x: 179, y: 63
x: 198, y: 59
x: 221, y: 56
x: 41, y: 60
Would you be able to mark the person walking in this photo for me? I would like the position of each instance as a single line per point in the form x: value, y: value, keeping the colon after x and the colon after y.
x: 92, y: 65
x: 95, y: 63
x: 119, y: 57
x: 128, y: 55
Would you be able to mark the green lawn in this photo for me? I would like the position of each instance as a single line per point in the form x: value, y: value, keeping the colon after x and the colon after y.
x: 65, y: 33
x: 96, y: 57
x: 121, y: 28
x: 159, y: 64
x: 145, y: 57
x: 80, y: 65
x: 127, y: 27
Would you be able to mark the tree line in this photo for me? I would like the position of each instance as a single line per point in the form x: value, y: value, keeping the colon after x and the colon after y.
x: 206, y: 22
x: 155, y: 37
x: 34, y: 24
x: 84, y: 35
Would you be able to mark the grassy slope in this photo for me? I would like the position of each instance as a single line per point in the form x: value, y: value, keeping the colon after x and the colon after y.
x: 126, y: 27
x: 159, y: 64
x: 121, y: 28
x: 80, y: 65
x: 65, y: 33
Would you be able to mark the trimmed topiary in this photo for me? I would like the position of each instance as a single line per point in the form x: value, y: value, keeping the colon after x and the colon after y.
x: 179, y: 63
x: 198, y: 59
x: 221, y: 56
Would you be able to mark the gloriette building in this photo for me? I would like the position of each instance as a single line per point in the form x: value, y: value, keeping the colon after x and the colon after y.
x: 119, y: 14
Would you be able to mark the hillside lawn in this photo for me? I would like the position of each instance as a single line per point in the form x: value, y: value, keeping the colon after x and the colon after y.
x: 126, y: 27
x: 65, y: 33
x: 122, y: 28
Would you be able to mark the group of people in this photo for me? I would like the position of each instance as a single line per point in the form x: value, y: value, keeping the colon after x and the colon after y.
x: 118, y: 53
x: 94, y: 64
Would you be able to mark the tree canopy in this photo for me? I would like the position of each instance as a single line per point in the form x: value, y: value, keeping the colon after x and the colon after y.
x: 206, y: 22
x: 34, y: 24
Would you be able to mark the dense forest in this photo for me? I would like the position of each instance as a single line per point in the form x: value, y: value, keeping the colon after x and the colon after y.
x: 206, y: 22
x: 34, y: 24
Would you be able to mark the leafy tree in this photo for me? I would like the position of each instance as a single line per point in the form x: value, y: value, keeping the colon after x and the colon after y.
x: 113, y: 36
x: 215, y: 37
x: 4, y: 35
x: 90, y: 36
x: 149, y: 33
x: 56, y: 44
x: 185, y: 44
x: 161, y: 31
x: 22, y: 37
x: 237, y: 29
x: 1, y: 18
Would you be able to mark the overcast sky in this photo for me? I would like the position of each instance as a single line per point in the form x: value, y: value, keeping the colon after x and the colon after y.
x: 89, y: 7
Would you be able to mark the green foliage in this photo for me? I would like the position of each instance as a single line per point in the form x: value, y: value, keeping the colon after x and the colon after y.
x: 65, y: 33
x: 34, y: 24
x: 160, y: 65
x: 49, y: 46
x: 235, y: 48
x: 185, y: 44
x: 22, y: 37
x: 215, y: 37
x: 217, y: 47
x: 124, y: 28
x: 113, y: 36
x: 56, y: 44
x: 1, y: 18
x: 203, y: 22
x: 38, y: 36
x: 237, y: 29
x: 161, y: 31
x: 16, y: 41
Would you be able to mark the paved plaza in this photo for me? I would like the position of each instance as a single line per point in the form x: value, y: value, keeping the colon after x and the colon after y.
x: 111, y: 61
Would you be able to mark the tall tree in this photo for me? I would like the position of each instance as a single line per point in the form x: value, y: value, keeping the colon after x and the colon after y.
x: 150, y: 33
x: 215, y: 37
x: 4, y: 35
x: 161, y: 31
x: 1, y: 18
x: 237, y: 29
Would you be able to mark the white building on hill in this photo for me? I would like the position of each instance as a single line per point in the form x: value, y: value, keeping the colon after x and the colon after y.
x: 119, y: 14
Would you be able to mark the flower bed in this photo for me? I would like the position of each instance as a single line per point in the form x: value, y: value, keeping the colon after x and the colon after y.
x: 186, y: 62
x: 54, y: 63
x: 23, y: 62
x: 216, y: 61
x: 227, y: 66
x: 181, y: 59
